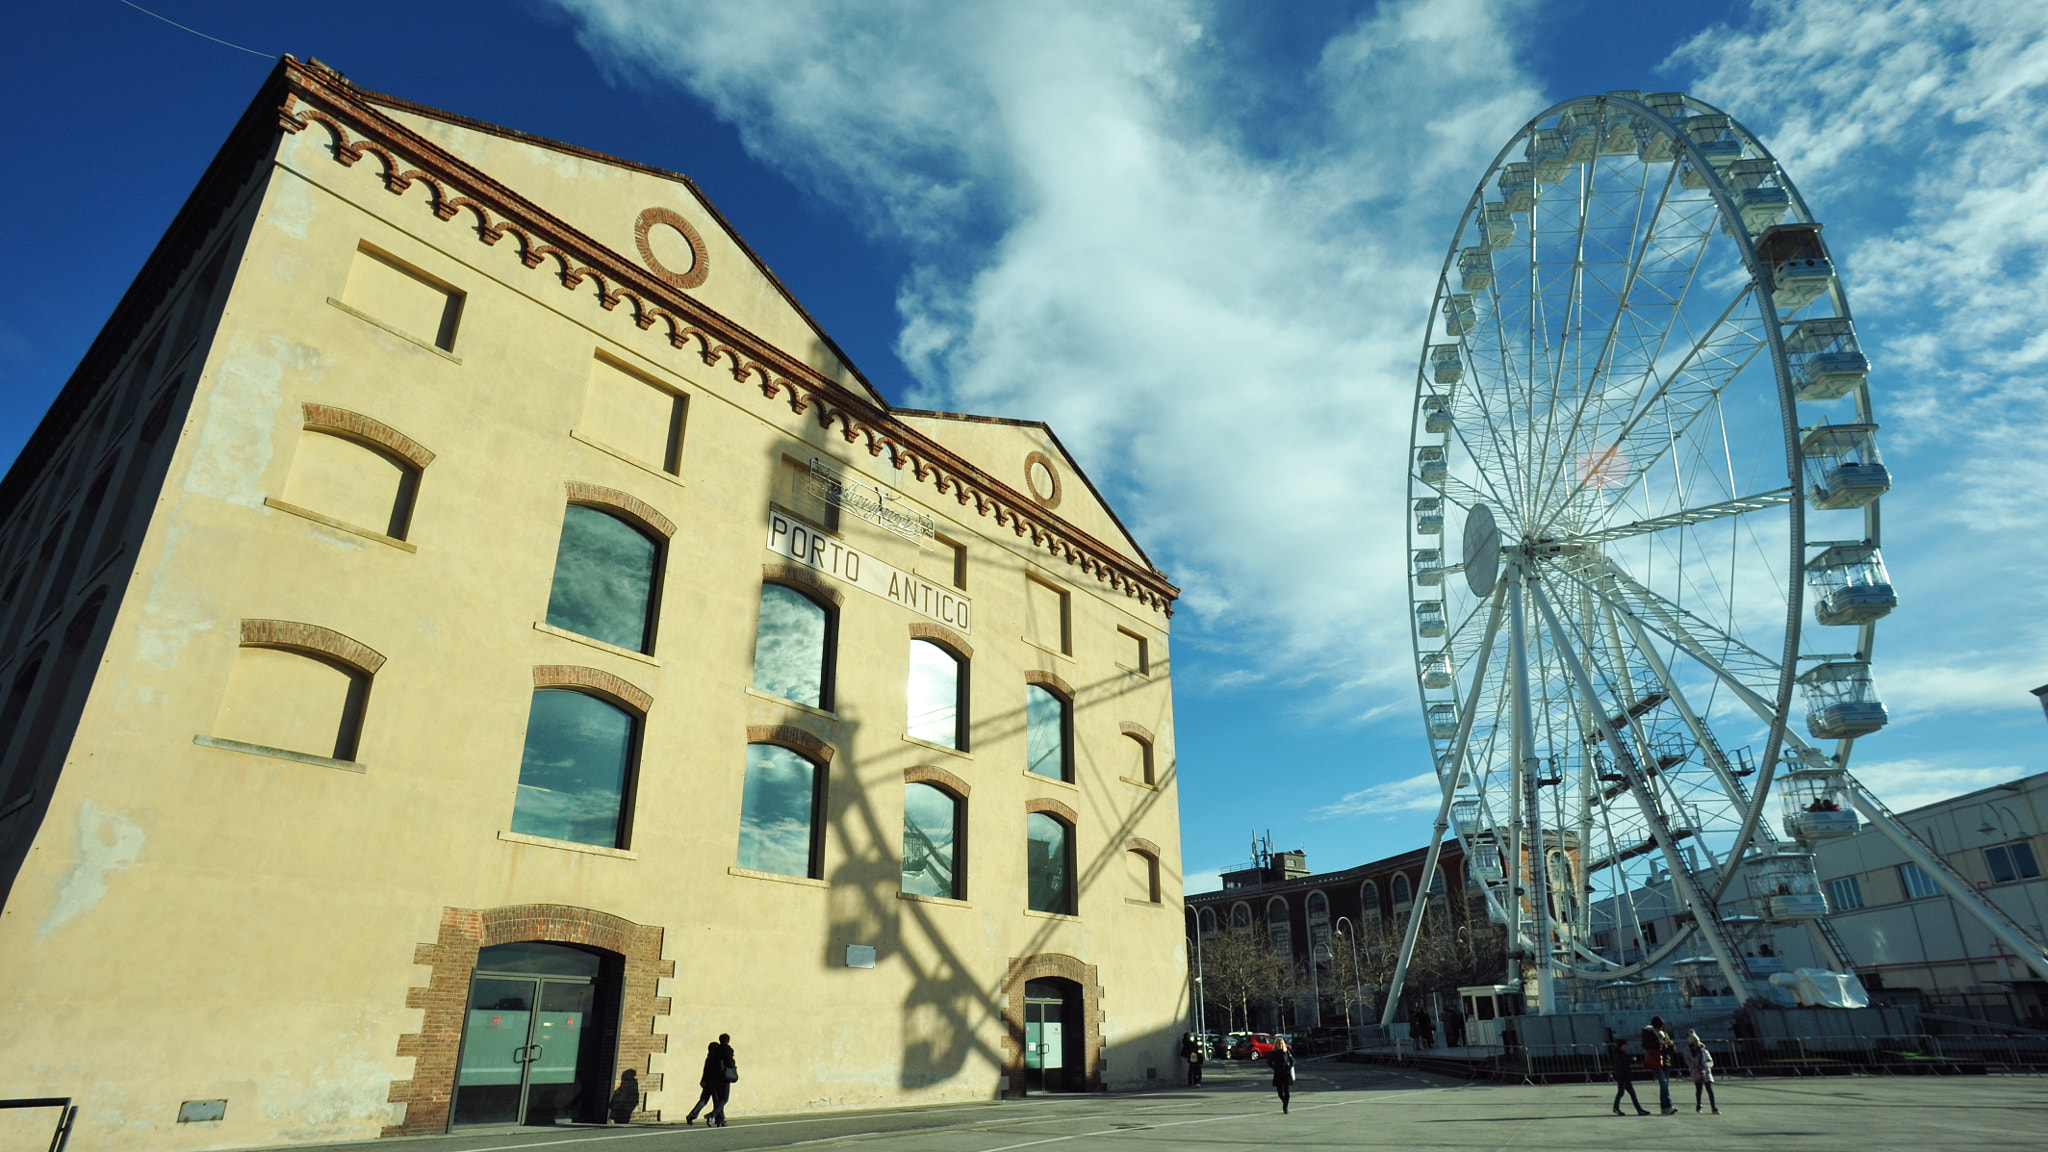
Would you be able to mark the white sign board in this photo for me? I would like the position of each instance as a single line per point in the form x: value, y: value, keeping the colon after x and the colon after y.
x: 797, y: 541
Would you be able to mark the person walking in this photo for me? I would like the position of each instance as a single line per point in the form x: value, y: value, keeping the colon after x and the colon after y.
x: 1281, y: 1061
x: 626, y: 1100
x: 1657, y: 1053
x: 1425, y: 1029
x: 1191, y: 1051
x: 721, y: 1070
x: 1623, y: 1064
x: 1701, y: 1061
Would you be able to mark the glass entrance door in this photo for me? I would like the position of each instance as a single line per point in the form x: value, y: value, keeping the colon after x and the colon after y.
x: 1046, y: 1055
x: 525, y: 1059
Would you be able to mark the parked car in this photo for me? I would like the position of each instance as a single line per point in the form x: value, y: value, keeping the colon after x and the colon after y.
x: 1251, y: 1045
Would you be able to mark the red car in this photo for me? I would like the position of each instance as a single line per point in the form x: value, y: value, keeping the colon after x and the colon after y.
x: 1252, y: 1046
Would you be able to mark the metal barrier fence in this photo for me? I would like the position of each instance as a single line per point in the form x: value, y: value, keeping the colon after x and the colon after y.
x: 1918, y: 1054
x: 67, y: 1114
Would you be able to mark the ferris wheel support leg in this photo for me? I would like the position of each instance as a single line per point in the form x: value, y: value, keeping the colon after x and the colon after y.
x: 1705, y: 916
x: 2002, y: 929
x: 1525, y: 787
x: 1455, y: 758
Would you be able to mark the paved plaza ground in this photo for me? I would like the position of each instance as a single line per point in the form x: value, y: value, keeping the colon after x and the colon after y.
x: 1340, y: 1105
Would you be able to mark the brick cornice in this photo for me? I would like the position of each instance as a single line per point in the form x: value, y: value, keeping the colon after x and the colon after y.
x: 291, y: 634
x: 804, y: 578
x: 357, y: 128
x: 792, y: 737
x: 357, y: 426
x: 1053, y: 807
x: 631, y: 505
x: 597, y: 680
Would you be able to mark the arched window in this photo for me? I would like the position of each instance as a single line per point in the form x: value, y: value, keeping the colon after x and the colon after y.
x: 1369, y: 898
x: 606, y: 572
x: 1402, y: 893
x: 1049, y: 733
x: 1240, y: 917
x: 1138, y: 753
x: 1318, y: 923
x: 779, y: 827
x: 1142, y: 874
x: 576, y: 776
x: 937, y: 695
x: 1279, y: 927
x: 793, y: 647
x: 1208, y: 922
x: 931, y: 842
x: 1049, y: 850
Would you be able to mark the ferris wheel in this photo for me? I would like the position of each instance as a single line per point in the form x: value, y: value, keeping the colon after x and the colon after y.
x: 1646, y: 557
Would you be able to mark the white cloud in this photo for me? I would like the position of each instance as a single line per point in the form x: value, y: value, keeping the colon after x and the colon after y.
x: 1399, y: 798
x: 1908, y: 784
x: 1224, y: 331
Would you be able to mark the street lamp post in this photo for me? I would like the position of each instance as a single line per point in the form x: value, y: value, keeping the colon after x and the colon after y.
x: 1351, y: 938
x: 1201, y: 1004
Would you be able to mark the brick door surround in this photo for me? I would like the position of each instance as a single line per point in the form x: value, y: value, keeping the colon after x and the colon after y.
x: 1045, y: 964
x: 437, y: 1046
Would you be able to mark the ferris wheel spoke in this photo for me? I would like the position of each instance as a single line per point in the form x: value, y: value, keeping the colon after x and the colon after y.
x: 1700, y: 515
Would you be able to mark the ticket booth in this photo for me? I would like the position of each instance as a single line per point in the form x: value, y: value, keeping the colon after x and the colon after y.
x: 1487, y: 1007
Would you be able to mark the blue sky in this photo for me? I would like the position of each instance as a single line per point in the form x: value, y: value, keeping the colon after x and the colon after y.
x: 1200, y: 240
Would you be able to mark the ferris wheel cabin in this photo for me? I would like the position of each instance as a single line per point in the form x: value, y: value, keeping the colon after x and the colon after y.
x: 1429, y: 567
x: 1429, y: 516
x: 1841, y: 701
x: 1429, y: 618
x: 1817, y: 804
x: 1436, y: 415
x: 1850, y: 585
x: 1445, y: 365
x: 1797, y: 263
x: 1825, y: 358
x: 1475, y: 269
x: 1786, y: 885
x: 1843, y: 469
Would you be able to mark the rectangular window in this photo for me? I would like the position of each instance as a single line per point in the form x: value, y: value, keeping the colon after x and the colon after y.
x: 956, y: 553
x: 1131, y: 652
x: 1650, y: 932
x: 1048, y: 734
x: 778, y: 813
x: 931, y: 843
x: 403, y: 297
x: 1918, y: 883
x: 1845, y: 893
x: 633, y: 415
x: 2009, y: 862
x: 1045, y: 616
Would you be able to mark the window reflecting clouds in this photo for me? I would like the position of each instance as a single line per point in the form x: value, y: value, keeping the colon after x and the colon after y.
x: 790, y: 646
x: 934, y: 694
x: 572, y: 778
x: 604, y: 579
x: 777, y: 812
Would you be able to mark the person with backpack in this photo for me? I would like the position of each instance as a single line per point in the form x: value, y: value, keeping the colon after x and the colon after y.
x: 1622, y: 1063
x: 721, y: 1070
x: 1658, y: 1052
x: 1191, y: 1051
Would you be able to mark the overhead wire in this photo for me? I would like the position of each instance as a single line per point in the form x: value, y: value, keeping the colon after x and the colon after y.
x: 196, y: 32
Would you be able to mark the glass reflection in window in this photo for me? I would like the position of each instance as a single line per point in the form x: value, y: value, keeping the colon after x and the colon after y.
x: 572, y: 778
x: 1045, y: 735
x: 778, y: 811
x: 1047, y: 849
x: 791, y: 647
x: 604, y: 579
x: 934, y: 694
x: 930, y: 860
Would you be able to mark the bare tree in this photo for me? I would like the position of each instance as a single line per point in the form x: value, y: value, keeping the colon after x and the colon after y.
x: 1242, y: 971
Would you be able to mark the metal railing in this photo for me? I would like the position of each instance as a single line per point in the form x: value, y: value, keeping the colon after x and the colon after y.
x: 67, y: 1114
x: 1899, y: 1055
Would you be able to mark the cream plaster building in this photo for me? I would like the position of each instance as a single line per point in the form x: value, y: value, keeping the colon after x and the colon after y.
x: 469, y: 633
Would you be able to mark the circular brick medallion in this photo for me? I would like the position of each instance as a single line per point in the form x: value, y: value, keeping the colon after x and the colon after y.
x: 700, y: 260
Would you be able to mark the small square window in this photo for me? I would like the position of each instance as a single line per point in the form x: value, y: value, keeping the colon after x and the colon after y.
x: 1845, y: 894
x: 956, y: 553
x: 2010, y: 862
x: 1045, y: 614
x: 1919, y: 884
x: 1132, y: 652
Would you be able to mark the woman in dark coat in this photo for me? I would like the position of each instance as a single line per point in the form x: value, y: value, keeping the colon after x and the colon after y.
x: 1624, y: 1067
x: 1281, y: 1061
x: 715, y: 1081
